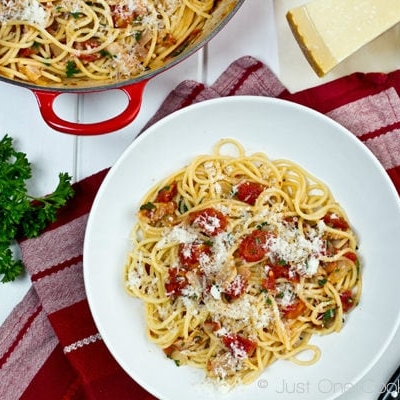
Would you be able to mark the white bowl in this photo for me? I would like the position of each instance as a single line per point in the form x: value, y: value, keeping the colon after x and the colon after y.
x: 281, y: 129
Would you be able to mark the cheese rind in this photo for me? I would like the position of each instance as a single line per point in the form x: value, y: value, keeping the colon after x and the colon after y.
x: 329, y: 31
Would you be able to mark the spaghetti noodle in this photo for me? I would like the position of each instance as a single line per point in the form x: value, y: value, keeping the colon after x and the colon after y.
x: 239, y: 260
x: 52, y: 41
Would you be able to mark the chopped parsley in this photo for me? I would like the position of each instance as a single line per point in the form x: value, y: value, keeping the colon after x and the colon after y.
x: 138, y: 35
x: 262, y: 225
x: 328, y: 316
x: 105, y: 53
x: 71, y: 69
x: 76, y: 14
x: 321, y: 282
x: 182, y: 207
x: 147, y: 206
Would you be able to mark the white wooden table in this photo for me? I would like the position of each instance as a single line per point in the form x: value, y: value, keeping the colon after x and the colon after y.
x: 250, y: 32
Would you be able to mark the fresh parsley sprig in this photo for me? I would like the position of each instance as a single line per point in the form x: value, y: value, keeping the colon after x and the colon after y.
x: 23, y: 215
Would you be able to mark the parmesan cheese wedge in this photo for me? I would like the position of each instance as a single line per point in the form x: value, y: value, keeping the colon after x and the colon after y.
x: 329, y: 31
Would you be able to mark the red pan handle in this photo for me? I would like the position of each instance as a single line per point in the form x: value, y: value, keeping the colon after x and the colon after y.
x: 46, y: 99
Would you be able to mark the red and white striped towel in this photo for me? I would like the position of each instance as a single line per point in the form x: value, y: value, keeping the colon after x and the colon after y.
x: 49, y: 345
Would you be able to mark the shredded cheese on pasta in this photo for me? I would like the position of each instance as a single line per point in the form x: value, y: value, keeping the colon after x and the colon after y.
x: 48, y: 42
x: 239, y: 260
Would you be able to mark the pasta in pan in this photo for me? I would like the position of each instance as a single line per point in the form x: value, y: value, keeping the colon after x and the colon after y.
x: 239, y: 260
x: 53, y: 41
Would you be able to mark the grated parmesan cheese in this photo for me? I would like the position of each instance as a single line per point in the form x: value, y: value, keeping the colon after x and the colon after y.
x: 292, y: 247
x: 209, y: 223
x: 23, y: 10
x: 212, y: 172
x: 219, y: 255
x: 287, y: 296
x: 177, y: 234
x: 135, y: 276
x: 215, y: 292
x: 242, y: 283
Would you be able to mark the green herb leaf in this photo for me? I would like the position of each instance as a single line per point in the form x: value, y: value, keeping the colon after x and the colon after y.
x: 138, y: 35
x: 328, y: 315
x: 105, y: 53
x: 44, y: 210
x: 9, y: 267
x: 262, y: 225
x: 22, y: 215
x: 71, y: 69
x: 321, y: 282
x: 182, y: 207
x: 76, y: 14
x: 148, y: 206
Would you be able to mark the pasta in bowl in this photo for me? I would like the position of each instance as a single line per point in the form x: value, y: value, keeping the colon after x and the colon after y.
x: 239, y: 260
x: 326, y: 153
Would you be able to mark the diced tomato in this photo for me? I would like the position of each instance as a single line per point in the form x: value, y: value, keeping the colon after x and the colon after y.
x: 210, y: 221
x: 177, y: 282
x: 167, y: 193
x: 335, y: 221
x: 122, y: 21
x: 292, y: 220
x: 278, y: 271
x: 236, y: 288
x: 351, y: 256
x: 177, y: 346
x: 27, y: 52
x: 121, y: 16
x: 269, y: 282
x: 248, y: 191
x: 347, y: 300
x: 88, y: 45
x: 190, y: 253
x: 239, y: 346
x: 294, y: 310
x: 281, y: 271
x: 167, y: 39
x: 89, y: 57
x: 254, y: 246
x: 169, y: 350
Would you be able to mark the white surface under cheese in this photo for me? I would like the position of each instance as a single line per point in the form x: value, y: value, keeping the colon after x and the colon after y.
x: 328, y: 31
